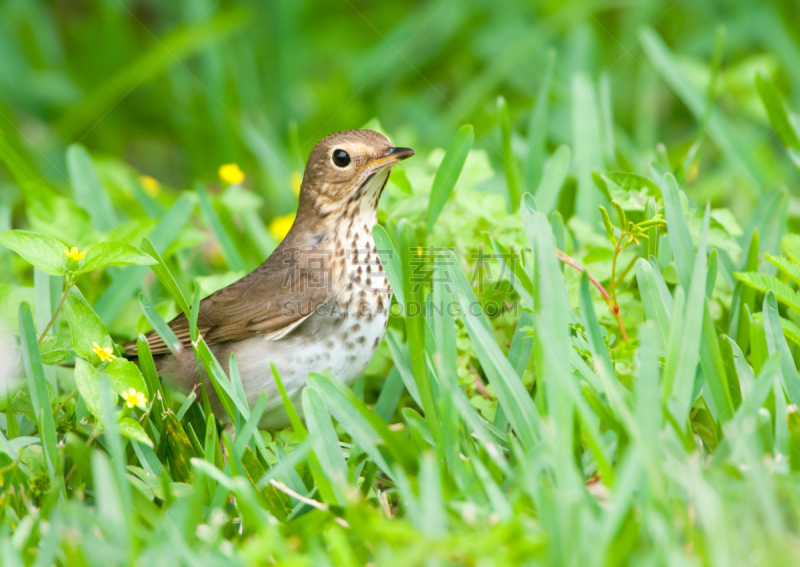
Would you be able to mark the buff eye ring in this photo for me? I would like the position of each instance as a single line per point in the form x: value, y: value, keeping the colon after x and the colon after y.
x: 341, y: 158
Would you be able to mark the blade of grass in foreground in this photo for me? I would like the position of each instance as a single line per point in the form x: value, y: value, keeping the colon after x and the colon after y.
x: 776, y: 342
x: 37, y: 387
x: 363, y: 425
x: 511, y: 394
x: 415, y: 325
x: 683, y: 355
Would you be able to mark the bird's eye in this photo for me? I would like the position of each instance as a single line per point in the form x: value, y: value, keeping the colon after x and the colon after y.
x: 341, y: 158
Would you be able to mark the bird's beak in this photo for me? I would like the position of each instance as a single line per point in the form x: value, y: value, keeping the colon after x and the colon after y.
x: 393, y: 156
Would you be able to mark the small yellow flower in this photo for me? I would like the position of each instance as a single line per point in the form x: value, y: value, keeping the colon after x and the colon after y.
x: 74, y: 254
x: 230, y: 173
x: 150, y: 184
x: 297, y: 181
x: 281, y: 225
x: 134, y: 398
x: 104, y: 354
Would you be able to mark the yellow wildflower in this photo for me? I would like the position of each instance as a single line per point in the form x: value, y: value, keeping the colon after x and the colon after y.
x: 230, y: 173
x: 104, y: 354
x: 281, y: 225
x: 297, y: 180
x: 134, y: 398
x: 74, y: 254
x: 150, y: 184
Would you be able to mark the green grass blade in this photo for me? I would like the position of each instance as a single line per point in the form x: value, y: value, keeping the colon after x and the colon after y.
x: 776, y: 342
x: 682, y: 360
x: 513, y: 181
x: 778, y: 117
x: 89, y: 192
x: 553, y: 177
x: 587, y: 146
x: 537, y: 128
x: 165, y: 276
x: 415, y: 324
x: 448, y: 172
x: 232, y: 254
x: 679, y: 237
x: 719, y: 127
x: 37, y: 387
x: 159, y: 325
x: 390, y: 260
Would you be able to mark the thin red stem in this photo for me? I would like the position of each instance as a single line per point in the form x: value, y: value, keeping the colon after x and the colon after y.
x: 613, y: 307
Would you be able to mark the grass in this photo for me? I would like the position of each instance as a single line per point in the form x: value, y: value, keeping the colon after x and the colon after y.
x: 614, y: 185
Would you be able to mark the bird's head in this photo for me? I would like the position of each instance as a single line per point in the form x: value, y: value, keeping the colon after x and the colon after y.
x: 346, y: 167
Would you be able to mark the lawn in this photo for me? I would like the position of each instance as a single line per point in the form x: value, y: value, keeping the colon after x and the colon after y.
x: 593, y: 345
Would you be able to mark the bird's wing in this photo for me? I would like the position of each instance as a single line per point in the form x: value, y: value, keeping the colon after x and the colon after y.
x: 272, y: 301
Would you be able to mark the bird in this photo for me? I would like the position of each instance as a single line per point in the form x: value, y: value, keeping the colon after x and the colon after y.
x: 320, y: 302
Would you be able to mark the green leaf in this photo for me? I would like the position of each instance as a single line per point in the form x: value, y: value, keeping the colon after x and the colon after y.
x: 133, y: 430
x: 44, y: 252
x: 105, y: 254
x: 623, y: 221
x: 180, y: 450
x: 765, y: 283
x: 87, y: 379
x: 89, y: 192
x: 790, y: 244
x: 85, y: 326
x: 786, y: 266
x: 631, y: 190
x: 777, y: 112
x: 791, y: 330
x: 55, y: 349
x: 608, y: 225
x: 448, y: 172
x: 123, y: 375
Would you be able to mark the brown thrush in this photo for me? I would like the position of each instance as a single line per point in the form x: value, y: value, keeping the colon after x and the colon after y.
x: 319, y: 302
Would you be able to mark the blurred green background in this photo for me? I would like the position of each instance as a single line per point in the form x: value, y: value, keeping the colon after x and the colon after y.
x: 177, y: 88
